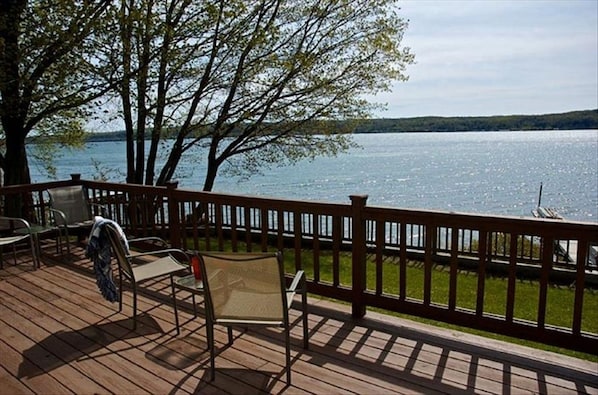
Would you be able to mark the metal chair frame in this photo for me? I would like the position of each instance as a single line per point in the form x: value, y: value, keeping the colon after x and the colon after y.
x: 298, y: 285
x: 12, y: 239
x: 162, y: 264
x: 71, y: 210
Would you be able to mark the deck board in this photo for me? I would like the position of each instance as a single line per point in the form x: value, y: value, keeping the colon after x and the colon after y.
x: 58, y: 335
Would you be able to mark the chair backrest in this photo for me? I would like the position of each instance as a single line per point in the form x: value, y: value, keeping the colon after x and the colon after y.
x: 119, y: 250
x: 245, y: 286
x: 72, y: 201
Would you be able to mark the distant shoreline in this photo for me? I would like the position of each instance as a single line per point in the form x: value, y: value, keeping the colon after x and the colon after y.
x: 573, y: 120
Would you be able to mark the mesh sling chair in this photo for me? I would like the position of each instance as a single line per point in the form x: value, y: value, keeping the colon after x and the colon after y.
x: 71, y: 211
x: 250, y: 289
x: 14, y: 231
x: 159, y: 263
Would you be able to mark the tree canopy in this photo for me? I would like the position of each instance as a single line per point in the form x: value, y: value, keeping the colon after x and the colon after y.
x: 46, y: 77
x: 246, y: 79
x: 243, y: 78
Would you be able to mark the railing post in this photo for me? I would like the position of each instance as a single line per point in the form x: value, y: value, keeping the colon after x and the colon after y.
x: 174, y: 221
x: 75, y: 177
x: 358, y: 203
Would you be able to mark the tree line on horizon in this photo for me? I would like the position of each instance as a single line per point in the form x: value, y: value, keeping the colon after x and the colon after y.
x: 574, y: 120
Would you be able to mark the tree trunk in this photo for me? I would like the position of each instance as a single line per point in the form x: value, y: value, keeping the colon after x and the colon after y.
x: 125, y: 91
x: 16, y: 169
x: 16, y: 172
x: 172, y: 162
x: 213, y: 164
x: 211, y: 173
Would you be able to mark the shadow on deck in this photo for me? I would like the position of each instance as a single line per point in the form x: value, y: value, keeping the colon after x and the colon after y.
x: 58, y: 335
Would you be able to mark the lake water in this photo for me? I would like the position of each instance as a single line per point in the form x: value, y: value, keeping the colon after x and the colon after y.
x: 476, y: 172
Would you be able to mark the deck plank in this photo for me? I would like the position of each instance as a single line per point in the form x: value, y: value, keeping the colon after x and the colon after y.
x: 40, y: 370
x: 58, y: 335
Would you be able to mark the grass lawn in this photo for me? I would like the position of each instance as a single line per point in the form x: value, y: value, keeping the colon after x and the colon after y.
x: 560, y: 299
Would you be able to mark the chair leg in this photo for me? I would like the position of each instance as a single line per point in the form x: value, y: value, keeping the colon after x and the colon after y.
x: 63, y: 233
x: 68, y: 242
x: 35, y: 251
x: 305, y: 317
x: 120, y: 291
x: 58, y: 243
x: 287, y: 341
x: 194, y: 305
x: 230, y: 334
x: 176, y: 313
x: 210, y: 333
x: 134, y: 307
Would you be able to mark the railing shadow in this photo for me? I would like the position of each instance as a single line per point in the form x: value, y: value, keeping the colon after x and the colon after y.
x: 386, y: 350
x: 453, y: 364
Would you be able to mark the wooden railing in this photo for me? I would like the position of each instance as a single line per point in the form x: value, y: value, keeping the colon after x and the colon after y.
x: 362, y: 255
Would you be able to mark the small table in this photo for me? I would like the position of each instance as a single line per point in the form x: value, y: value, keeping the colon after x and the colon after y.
x: 190, y: 284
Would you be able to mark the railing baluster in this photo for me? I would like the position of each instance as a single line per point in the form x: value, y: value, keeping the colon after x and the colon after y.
x: 482, y: 259
x: 379, y: 257
x: 316, y: 247
x: 430, y: 238
x: 547, y: 254
x: 452, y: 302
x: 512, y: 277
x: 403, y: 261
x: 337, y: 235
x: 582, y: 258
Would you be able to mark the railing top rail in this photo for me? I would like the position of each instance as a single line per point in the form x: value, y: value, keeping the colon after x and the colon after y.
x: 526, y: 225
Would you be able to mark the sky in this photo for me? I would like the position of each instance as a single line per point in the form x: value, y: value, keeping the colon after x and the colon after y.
x: 497, y: 57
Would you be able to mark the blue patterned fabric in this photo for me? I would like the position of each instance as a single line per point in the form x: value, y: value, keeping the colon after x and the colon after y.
x: 98, y: 250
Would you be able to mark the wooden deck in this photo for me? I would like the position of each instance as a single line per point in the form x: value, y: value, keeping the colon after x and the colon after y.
x: 58, y: 335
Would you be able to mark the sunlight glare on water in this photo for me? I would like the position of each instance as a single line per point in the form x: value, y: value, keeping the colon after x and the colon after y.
x: 477, y: 172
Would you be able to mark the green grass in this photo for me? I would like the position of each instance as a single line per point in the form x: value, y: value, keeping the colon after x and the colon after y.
x: 560, y: 300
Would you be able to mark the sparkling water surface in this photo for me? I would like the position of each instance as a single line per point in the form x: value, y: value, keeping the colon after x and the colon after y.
x: 476, y: 172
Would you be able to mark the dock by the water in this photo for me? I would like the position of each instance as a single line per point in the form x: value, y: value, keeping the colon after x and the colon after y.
x: 566, y: 249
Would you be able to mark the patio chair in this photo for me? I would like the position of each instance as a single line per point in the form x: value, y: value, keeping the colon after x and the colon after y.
x: 71, y: 212
x: 14, y: 231
x: 157, y: 264
x: 261, y: 298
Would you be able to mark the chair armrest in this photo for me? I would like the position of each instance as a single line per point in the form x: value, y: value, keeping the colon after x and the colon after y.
x: 158, y: 252
x: 159, y: 240
x: 294, y: 287
x: 60, y: 214
x: 21, y: 221
x: 300, y: 275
